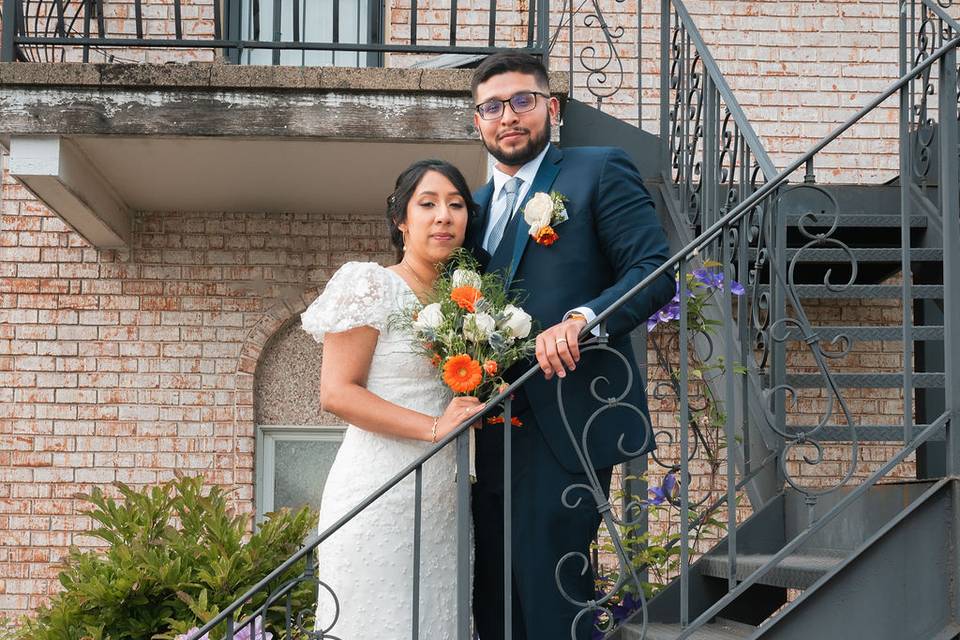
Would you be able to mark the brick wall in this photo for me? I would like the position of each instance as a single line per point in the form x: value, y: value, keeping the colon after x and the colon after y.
x: 129, y: 365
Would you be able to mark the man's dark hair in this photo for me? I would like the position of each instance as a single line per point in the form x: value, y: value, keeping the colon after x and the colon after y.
x: 506, y: 62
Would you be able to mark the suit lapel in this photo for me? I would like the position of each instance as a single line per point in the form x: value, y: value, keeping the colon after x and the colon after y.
x: 542, y: 182
x: 482, y: 199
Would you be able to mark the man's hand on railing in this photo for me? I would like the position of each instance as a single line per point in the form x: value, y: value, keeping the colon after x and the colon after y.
x: 558, y: 347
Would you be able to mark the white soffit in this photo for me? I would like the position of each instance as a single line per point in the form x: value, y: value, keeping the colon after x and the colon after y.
x: 265, y: 175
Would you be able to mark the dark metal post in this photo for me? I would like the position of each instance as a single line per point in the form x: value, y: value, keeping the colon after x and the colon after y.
x: 234, y: 29
x: 507, y: 520
x: 906, y: 180
x: 684, y: 452
x: 664, y: 89
x: 8, y: 48
x: 375, y: 30
x: 278, y: 34
x: 463, y: 536
x: 950, y: 210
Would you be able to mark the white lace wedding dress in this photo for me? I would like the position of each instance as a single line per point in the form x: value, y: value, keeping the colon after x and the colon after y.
x: 368, y: 563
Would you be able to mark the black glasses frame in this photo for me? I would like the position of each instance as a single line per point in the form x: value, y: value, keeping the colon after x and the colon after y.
x: 504, y: 103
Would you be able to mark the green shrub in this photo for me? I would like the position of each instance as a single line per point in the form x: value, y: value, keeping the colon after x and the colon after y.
x: 176, y: 557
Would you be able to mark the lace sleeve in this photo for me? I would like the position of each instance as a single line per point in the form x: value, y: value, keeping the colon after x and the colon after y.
x: 356, y: 296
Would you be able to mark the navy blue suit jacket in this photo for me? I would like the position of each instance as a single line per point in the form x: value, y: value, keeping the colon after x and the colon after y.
x: 611, y: 241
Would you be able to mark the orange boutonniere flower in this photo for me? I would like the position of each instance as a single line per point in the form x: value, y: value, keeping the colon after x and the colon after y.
x: 514, y: 420
x: 466, y: 297
x: 546, y: 236
x: 462, y: 373
x: 490, y: 366
x: 436, y: 360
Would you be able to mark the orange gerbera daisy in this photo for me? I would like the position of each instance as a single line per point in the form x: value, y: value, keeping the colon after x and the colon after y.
x: 514, y: 420
x: 546, y: 236
x: 490, y: 366
x: 466, y: 297
x: 462, y: 373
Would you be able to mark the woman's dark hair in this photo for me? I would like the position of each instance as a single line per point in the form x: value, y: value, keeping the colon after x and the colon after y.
x: 406, y: 186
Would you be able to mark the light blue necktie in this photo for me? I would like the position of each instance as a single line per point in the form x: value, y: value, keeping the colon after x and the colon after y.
x: 510, y: 188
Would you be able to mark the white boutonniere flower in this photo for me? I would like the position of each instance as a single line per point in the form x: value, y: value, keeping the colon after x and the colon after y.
x: 543, y: 212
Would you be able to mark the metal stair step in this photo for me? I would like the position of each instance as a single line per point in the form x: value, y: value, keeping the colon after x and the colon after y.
x: 868, y: 333
x: 878, y: 291
x: 797, y: 571
x: 856, y: 220
x: 862, y: 255
x: 866, y: 380
x: 719, y: 630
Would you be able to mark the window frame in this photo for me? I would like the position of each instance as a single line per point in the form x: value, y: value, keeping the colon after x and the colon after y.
x: 267, y: 437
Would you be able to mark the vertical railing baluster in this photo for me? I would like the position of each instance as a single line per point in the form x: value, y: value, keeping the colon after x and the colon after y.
x: 570, y: 14
x: 101, y: 20
x: 950, y: 215
x: 61, y: 26
x: 230, y: 632
x: 730, y: 405
x: 906, y: 271
x: 453, y: 23
x: 234, y: 30
x: 8, y: 45
x: 217, y: 20
x: 684, y: 452
x: 413, y: 22
x: 417, y: 519
x: 508, y: 520
x: 492, y: 27
x: 296, y: 19
x: 709, y: 200
x: 531, y: 20
x: 743, y: 319
x: 277, y: 33
x: 543, y: 31
x: 287, y: 615
x: 178, y: 19
x: 463, y: 537
x: 684, y: 120
x: 665, y: 128
x: 778, y: 307
x: 87, y: 8
x: 640, y: 66
x: 138, y: 17
x: 336, y: 23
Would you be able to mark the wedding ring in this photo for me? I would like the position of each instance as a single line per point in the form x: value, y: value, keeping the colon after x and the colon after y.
x: 561, y: 340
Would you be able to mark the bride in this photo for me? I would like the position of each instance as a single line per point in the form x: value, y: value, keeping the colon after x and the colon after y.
x: 396, y: 407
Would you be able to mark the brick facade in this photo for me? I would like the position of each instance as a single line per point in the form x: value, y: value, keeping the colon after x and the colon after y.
x: 128, y: 365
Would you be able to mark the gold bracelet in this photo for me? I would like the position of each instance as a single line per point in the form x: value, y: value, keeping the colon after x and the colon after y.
x: 433, y: 432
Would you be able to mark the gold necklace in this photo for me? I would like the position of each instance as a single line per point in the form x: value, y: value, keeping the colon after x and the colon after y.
x: 424, y: 288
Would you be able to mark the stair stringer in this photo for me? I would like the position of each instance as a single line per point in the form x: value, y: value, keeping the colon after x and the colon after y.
x: 901, y: 584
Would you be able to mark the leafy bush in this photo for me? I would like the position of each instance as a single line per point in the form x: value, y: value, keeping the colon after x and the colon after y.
x: 176, y: 557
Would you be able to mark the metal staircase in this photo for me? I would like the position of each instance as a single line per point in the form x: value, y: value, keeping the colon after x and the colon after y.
x: 836, y: 560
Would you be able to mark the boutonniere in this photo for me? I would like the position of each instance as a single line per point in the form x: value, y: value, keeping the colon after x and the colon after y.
x: 543, y: 213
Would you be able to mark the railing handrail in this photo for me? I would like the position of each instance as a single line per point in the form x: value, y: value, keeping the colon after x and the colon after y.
x: 720, y: 83
x: 942, y: 14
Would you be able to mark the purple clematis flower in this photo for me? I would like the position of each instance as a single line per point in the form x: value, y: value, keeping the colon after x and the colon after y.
x: 257, y: 633
x: 713, y: 278
x: 665, y: 492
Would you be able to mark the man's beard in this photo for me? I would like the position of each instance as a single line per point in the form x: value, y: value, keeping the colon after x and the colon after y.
x: 523, y: 155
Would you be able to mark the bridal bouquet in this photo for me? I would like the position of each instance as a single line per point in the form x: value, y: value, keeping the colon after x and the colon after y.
x: 470, y: 329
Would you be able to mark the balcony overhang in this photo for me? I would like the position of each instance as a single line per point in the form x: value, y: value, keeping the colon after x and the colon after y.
x: 98, y: 143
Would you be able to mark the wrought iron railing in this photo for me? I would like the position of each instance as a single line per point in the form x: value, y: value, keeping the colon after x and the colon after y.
x: 42, y: 30
x: 736, y: 232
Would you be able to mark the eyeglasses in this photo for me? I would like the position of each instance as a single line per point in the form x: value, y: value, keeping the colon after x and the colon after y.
x: 519, y: 102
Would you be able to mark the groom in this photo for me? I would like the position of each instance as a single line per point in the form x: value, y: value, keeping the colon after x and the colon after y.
x: 610, y: 242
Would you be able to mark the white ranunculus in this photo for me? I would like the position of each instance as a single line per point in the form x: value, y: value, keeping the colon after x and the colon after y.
x: 539, y: 211
x: 516, y: 322
x: 430, y: 317
x: 477, y: 327
x: 465, y: 278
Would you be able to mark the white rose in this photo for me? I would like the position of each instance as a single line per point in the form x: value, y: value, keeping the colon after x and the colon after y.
x: 539, y: 211
x: 516, y: 322
x: 430, y: 317
x: 465, y: 278
x: 477, y: 327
